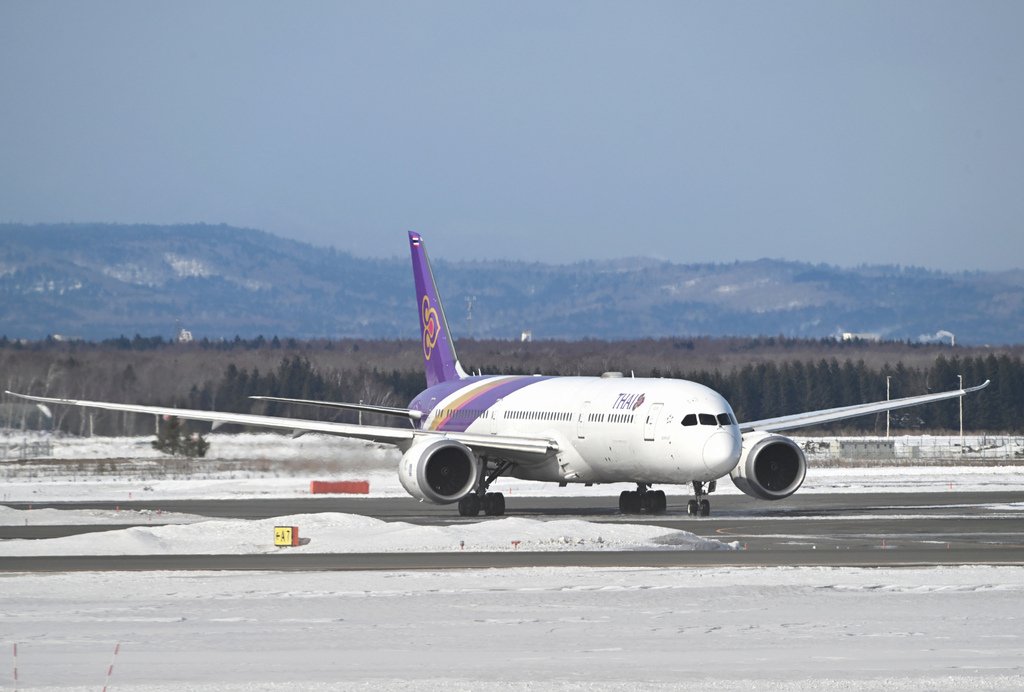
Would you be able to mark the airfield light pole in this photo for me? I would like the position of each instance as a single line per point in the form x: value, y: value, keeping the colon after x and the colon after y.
x: 961, y: 399
x: 469, y: 315
x: 887, y: 378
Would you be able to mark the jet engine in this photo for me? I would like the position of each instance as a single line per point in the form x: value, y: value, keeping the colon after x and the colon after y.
x: 772, y: 467
x: 439, y: 470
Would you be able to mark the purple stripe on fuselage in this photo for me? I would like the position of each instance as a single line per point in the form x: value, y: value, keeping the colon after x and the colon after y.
x: 474, y: 406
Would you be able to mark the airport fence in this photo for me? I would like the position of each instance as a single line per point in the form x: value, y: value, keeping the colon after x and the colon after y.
x: 920, y: 450
x: 25, y: 449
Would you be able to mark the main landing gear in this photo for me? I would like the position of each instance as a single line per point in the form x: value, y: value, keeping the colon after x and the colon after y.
x: 643, y: 499
x: 492, y: 504
x: 700, y: 506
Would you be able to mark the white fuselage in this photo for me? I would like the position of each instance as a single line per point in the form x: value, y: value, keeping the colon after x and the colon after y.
x: 607, y: 429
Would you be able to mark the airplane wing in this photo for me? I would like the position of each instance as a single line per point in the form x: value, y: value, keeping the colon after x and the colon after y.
x: 403, y: 438
x: 370, y: 408
x: 803, y: 420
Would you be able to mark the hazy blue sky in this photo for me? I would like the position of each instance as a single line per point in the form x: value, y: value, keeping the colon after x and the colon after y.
x: 839, y: 132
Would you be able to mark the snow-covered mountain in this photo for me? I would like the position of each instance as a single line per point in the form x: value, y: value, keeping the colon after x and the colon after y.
x: 98, y: 281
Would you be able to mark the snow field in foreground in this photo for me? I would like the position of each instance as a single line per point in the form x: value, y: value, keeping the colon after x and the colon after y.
x: 537, y: 628
x: 569, y: 629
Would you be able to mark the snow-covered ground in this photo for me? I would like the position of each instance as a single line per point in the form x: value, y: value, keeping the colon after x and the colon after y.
x: 242, y: 446
x: 267, y: 465
x: 325, y: 448
x: 575, y: 629
x: 525, y: 629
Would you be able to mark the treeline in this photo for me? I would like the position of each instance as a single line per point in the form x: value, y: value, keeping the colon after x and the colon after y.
x: 767, y: 390
x: 757, y: 391
x: 761, y: 378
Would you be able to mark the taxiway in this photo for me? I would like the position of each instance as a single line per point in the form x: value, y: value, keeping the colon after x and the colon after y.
x: 863, y: 530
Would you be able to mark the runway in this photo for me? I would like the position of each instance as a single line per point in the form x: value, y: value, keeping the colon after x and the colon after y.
x: 863, y: 530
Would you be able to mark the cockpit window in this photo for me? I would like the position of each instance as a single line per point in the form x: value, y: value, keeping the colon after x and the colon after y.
x: 723, y: 419
x: 707, y: 419
x: 690, y: 419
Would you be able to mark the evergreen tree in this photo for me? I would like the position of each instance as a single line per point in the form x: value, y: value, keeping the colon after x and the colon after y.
x: 172, y: 438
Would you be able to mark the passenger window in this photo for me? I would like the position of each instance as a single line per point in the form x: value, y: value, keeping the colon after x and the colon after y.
x: 723, y: 419
x: 690, y: 419
x: 707, y: 419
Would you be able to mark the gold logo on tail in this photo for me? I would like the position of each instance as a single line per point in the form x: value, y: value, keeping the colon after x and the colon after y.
x: 431, y: 328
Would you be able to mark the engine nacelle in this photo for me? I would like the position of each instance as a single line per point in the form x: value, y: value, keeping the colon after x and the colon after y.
x: 772, y: 467
x: 441, y: 471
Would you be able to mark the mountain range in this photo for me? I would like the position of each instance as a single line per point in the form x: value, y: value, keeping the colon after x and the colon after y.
x: 96, y: 281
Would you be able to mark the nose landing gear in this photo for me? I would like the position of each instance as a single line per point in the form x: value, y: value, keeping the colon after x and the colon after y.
x: 700, y: 506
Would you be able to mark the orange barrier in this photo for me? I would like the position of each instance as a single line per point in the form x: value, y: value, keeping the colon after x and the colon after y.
x: 347, y: 487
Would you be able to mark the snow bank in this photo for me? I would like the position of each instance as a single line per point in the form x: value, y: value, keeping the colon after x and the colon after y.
x: 353, y: 533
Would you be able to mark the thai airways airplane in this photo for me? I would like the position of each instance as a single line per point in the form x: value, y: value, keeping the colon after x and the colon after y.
x: 467, y: 431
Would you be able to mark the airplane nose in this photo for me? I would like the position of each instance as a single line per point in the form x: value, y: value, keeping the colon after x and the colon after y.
x: 721, y: 452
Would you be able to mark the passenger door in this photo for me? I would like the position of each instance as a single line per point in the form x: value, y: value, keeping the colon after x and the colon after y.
x: 651, y: 424
x: 581, y: 422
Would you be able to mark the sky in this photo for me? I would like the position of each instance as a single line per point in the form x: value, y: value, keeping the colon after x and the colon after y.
x: 840, y: 132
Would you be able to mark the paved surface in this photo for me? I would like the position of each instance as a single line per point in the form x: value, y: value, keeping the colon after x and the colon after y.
x: 883, y: 529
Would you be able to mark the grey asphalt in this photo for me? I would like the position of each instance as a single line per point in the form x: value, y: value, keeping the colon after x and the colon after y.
x: 863, y: 530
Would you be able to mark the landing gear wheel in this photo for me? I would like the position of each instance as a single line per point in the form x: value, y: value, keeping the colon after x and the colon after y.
x: 494, y: 504
x: 636, y: 503
x: 469, y: 506
x: 647, y: 503
x: 630, y: 502
x: 659, y: 503
x: 700, y: 506
x: 653, y: 501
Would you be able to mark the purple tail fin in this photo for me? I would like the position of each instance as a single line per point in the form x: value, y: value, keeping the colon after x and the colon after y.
x: 439, y: 357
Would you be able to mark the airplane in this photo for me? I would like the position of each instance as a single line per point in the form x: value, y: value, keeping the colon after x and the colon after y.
x: 466, y: 431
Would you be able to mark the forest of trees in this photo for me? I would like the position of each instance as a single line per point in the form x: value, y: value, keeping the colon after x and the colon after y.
x: 760, y: 377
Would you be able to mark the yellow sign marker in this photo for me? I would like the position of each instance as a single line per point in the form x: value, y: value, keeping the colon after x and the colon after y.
x: 286, y: 536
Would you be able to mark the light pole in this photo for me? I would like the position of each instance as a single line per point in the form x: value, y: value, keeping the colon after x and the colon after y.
x: 961, y: 400
x: 887, y: 378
